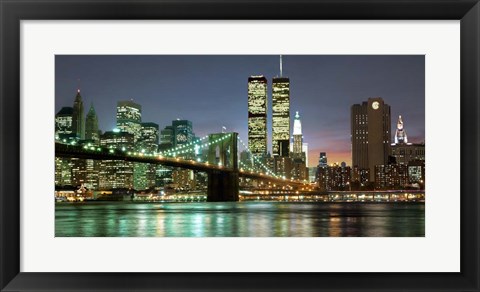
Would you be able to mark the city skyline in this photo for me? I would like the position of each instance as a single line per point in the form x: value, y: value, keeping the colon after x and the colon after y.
x: 196, y: 87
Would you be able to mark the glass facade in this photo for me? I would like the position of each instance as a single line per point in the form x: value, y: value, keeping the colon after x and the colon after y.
x: 280, y: 116
x: 129, y: 118
x: 116, y: 173
x: 257, y: 115
x: 182, y: 132
x: 63, y: 123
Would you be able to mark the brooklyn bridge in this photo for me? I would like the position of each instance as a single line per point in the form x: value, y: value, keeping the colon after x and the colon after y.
x: 222, y: 166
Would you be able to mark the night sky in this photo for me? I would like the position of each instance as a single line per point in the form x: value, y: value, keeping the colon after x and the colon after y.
x: 211, y: 91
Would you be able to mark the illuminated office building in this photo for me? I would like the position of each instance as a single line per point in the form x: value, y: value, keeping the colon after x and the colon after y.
x: 280, y: 115
x: 166, y: 139
x: 144, y: 174
x: 391, y: 176
x: 370, y: 134
x: 129, y: 118
x: 257, y: 115
x: 182, y: 132
x: 402, y: 151
x: 322, y: 160
x: 63, y: 122
x: 116, y: 173
x: 299, y: 170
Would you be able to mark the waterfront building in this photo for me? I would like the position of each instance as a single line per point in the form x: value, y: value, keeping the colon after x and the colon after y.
x: 416, y: 173
x: 404, y: 153
x: 391, y: 176
x: 257, y: 115
x: 63, y: 171
x: 334, y: 177
x: 91, y: 126
x: 164, y: 176
x: 360, y: 178
x: 183, y: 179
x: 64, y: 134
x: 370, y: 134
x: 129, y: 118
x: 116, y: 173
x: 79, y: 171
x: 78, y: 118
x: 92, y: 171
x: 281, y: 115
x: 144, y: 175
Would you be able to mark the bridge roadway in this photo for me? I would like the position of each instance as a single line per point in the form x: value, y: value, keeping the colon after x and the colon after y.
x: 223, y: 173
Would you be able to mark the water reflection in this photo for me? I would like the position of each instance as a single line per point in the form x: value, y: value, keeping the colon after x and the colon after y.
x: 245, y: 219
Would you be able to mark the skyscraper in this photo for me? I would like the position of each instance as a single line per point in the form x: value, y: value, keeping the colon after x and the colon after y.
x: 257, y: 115
x: 370, y: 125
x: 400, y: 133
x: 182, y: 132
x: 402, y: 150
x: 149, y: 137
x: 322, y: 161
x: 297, y: 137
x: 144, y: 174
x: 129, y: 118
x: 78, y: 120
x: 63, y: 123
x: 166, y: 139
x: 91, y: 125
x: 281, y: 115
x: 299, y: 170
x: 116, y: 173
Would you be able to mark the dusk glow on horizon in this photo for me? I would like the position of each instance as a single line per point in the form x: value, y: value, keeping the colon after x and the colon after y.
x: 211, y: 92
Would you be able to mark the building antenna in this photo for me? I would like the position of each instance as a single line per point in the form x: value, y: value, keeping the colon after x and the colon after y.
x: 78, y: 84
x: 281, y: 69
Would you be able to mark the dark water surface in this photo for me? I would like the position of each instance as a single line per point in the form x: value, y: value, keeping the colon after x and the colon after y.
x: 264, y: 219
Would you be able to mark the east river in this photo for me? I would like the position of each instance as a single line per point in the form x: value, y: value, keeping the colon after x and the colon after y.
x: 245, y: 219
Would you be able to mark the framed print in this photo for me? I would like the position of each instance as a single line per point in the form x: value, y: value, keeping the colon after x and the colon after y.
x: 197, y: 146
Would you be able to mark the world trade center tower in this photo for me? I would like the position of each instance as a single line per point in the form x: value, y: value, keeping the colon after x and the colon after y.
x: 281, y: 115
x: 257, y: 115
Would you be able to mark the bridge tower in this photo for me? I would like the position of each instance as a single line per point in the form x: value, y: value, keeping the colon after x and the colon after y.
x: 223, y: 184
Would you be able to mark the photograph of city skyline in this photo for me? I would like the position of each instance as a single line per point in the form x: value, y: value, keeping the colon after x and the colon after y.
x: 239, y: 145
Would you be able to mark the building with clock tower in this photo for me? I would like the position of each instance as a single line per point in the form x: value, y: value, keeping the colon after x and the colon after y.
x: 370, y: 135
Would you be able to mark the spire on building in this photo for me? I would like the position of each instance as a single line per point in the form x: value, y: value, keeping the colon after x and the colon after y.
x: 281, y: 67
x: 91, y: 111
x: 297, y: 125
x: 78, y: 118
x: 400, y: 133
x: 78, y: 97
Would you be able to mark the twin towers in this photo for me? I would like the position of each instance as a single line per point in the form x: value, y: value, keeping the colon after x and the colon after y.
x: 257, y: 115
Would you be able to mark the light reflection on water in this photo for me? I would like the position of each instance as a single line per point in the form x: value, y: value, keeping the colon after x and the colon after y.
x: 245, y: 219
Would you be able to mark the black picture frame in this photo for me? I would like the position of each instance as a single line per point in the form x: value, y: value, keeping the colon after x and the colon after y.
x: 13, y: 11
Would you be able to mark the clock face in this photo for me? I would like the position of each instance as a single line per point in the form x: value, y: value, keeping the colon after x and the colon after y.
x: 375, y: 105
